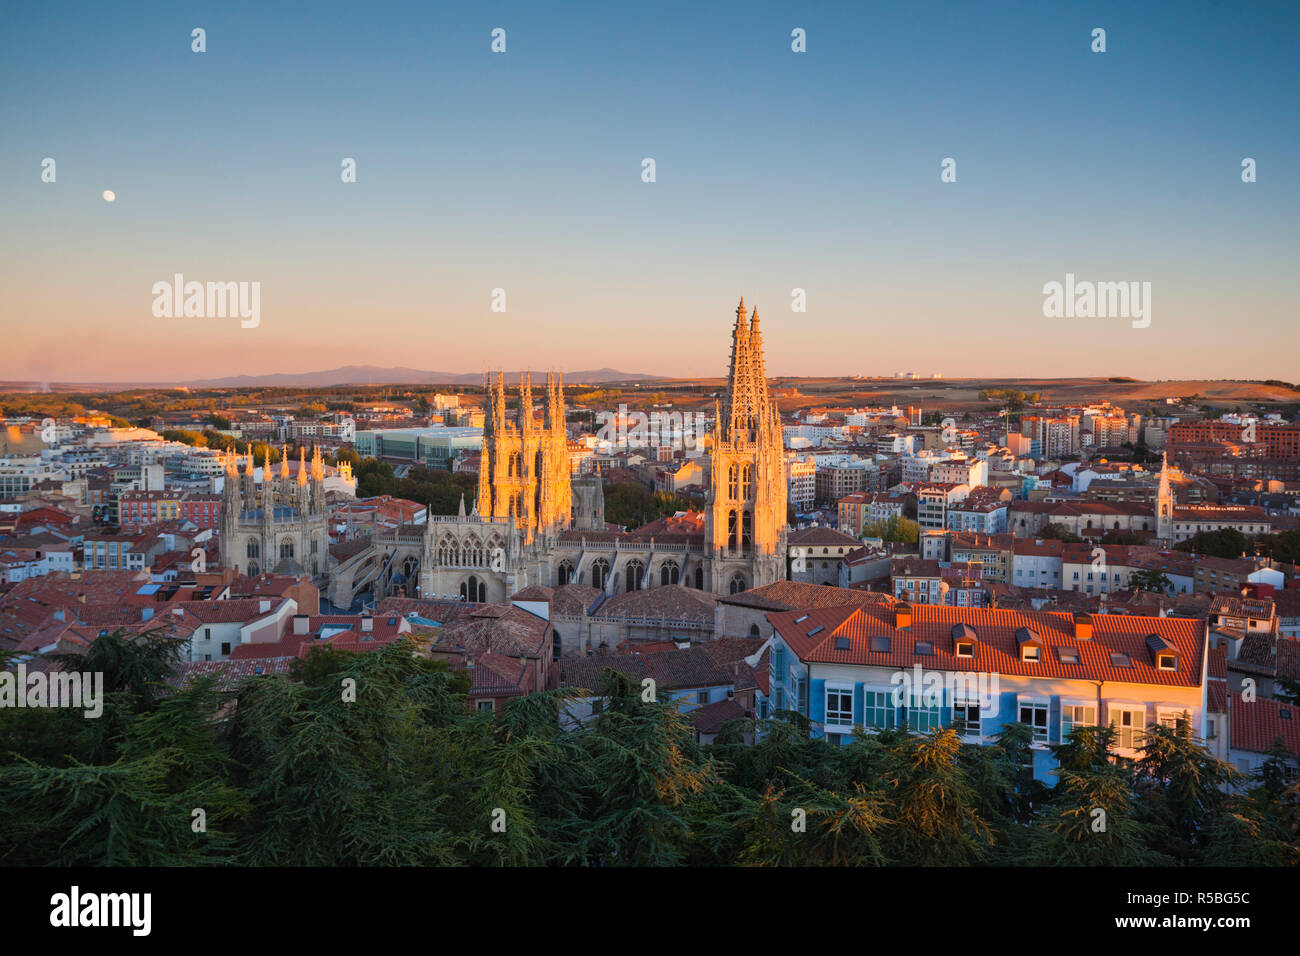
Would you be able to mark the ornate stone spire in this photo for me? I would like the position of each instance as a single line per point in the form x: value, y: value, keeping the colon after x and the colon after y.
x: 302, y: 466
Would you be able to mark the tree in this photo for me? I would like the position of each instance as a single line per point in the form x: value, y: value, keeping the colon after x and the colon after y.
x: 1059, y: 532
x: 893, y: 528
x: 1151, y: 579
x: 1224, y: 543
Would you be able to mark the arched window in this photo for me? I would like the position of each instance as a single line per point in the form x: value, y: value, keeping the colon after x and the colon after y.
x: 733, y: 481
x: 699, y: 578
x: 733, y: 530
x: 472, y: 589
x: 254, y: 548
x: 669, y: 573
x: 555, y: 645
x: 746, y: 481
x: 737, y: 583
x: 635, y: 570
x: 754, y: 631
x: 564, y: 573
x: 599, y: 574
x: 747, y: 532
x: 286, y: 550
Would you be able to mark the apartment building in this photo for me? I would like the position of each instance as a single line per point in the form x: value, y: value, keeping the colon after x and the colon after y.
x: 975, y: 670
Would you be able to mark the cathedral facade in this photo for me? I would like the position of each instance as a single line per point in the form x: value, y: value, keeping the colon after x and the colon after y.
x: 534, y: 524
x: 279, y: 524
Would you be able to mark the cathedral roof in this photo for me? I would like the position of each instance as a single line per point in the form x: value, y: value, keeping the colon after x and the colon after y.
x: 669, y: 601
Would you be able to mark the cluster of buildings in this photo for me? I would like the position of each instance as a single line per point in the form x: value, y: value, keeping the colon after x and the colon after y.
x: 935, y: 574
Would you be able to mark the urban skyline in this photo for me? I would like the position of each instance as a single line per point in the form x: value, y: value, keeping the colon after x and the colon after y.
x: 775, y: 171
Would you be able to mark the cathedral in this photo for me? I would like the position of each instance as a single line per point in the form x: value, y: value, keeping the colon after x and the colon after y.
x: 534, y: 524
x: 279, y: 524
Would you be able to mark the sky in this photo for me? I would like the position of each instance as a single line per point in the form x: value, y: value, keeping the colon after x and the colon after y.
x: 774, y: 171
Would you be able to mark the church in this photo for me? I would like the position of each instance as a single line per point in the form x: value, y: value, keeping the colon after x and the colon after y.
x: 533, y: 524
x: 279, y: 524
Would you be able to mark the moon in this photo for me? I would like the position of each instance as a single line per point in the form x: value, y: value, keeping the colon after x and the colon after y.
x: 109, y: 195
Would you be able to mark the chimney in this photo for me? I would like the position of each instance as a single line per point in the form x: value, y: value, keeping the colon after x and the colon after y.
x: 301, y: 623
x: 902, y: 614
x: 367, y: 622
x: 1082, y: 626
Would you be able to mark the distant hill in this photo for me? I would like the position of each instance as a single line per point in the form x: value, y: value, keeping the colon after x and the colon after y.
x: 375, y: 375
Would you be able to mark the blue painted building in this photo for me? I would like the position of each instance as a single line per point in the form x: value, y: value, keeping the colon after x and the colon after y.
x: 977, y: 669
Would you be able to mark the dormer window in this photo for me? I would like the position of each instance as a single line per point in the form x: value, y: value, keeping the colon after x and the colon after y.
x: 880, y: 644
x: 1031, y: 648
x: 1163, y: 653
x: 963, y: 640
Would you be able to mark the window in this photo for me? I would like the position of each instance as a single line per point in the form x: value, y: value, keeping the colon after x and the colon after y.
x: 801, y: 693
x: 1029, y: 652
x: 225, y: 647
x: 1167, y: 662
x: 923, y: 719
x: 1210, y: 731
x: 966, y: 718
x: 1034, y: 713
x: 1169, y: 718
x: 1067, y: 655
x: 1076, y: 715
x: 701, y: 697
x: 597, y: 705
x: 839, y: 706
x: 965, y: 649
x: 879, y: 711
x: 1129, y: 724
x: 485, y: 706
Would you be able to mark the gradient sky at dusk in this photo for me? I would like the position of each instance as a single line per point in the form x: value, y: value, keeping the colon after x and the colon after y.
x: 775, y: 171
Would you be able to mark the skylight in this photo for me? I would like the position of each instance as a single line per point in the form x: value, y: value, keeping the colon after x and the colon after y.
x: 880, y: 643
x: 816, y: 630
x: 1120, y: 660
x: 841, y: 643
x: 1068, y: 655
x: 800, y: 620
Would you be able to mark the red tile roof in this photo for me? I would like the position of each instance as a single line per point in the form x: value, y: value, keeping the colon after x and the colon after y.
x: 1258, y: 723
x: 997, y: 649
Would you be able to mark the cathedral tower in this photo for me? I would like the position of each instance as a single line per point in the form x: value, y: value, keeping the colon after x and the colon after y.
x: 524, y: 471
x: 745, y: 518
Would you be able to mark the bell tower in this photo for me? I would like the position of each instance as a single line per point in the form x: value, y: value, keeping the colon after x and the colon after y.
x: 745, y: 518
